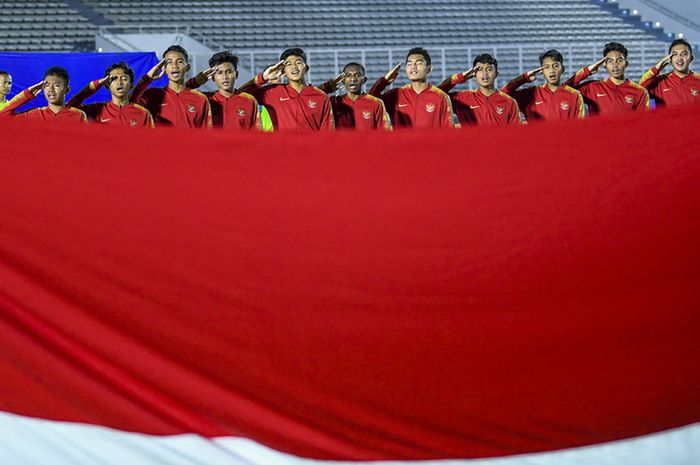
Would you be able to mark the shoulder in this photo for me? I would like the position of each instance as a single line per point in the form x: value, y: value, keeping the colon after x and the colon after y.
x: 571, y: 90
x: 373, y: 99
x: 77, y: 111
x: 463, y: 94
x: 439, y: 92
x: 313, y: 90
x: 507, y: 97
x: 638, y: 88
x: 198, y: 94
x: 247, y: 97
x: 139, y: 108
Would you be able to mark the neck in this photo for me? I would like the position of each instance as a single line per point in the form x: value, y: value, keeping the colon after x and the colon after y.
x: 487, y: 90
x: 617, y: 81
x: 297, y: 85
x: 3, y: 98
x: 56, y: 108
x: 419, y: 86
x: 226, y: 93
x: 178, y: 86
x: 681, y: 74
x: 554, y: 86
x: 353, y: 97
x: 119, y: 101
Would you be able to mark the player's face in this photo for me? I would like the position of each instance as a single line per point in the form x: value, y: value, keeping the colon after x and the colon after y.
x: 417, y: 68
x: 681, y: 58
x: 55, y: 90
x: 295, y: 68
x: 616, y: 64
x: 5, y: 84
x: 120, y: 84
x: 354, y: 79
x: 225, y: 76
x: 552, y: 71
x: 486, y: 74
x: 176, y: 66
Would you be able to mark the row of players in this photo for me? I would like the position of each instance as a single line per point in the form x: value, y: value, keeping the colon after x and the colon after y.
x: 265, y: 102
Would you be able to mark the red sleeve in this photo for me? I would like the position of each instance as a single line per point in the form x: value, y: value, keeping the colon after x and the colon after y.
x: 446, y: 118
x: 18, y: 100
x: 650, y: 79
x: 449, y: 83
x: 512, y: 86
x: 139, y: 89
x: 514, y: 115
x: 575, y: 80
x: 86, y: 92
x: 192, y: 84
x: 327, y: 120
x: 644, y: 104
x: 378, y: 87
x: 327, y: 87
x: 254, y: 84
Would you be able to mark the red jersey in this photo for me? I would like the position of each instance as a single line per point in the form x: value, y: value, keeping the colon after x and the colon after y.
x: 473, y: 108
x: 540, y: 103
x: 67, y: 115
x: 408, y: 109
x: 239, y: 111
x: 308, y: 110
x: 130, y: 115
x: 671, y: 90
x: 365, y: 112
x: 605, y: 97
x: 185, y: 109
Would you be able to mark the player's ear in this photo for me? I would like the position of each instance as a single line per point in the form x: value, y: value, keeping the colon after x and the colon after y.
x: 235, y: 75
x: 187, y: 68
x: 306, y: 68
x: 364, y: 79
x: 430, y: 69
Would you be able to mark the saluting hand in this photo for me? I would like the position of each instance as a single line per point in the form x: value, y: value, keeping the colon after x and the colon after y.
x: 274, y: 72
x: 664, y: 61
x: 532, y: 75
x: 596, y: 66
x: 36, y: 88
x: 392, y: 75
x: 202, y: 77
x: 158, y: 70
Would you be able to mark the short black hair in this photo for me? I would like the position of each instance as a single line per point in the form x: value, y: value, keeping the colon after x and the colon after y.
x: 420, y: 51
x: 223, y: 57
x: 615, y: 47
x: 296, y: 51
x: 554, y: 54
x: 680, y: 42
x: 486, y: 59
x: 354, y: 63
x: 3, y: 72
x: 178, y: 49
x: 121, y: 65
x: 58, y: 71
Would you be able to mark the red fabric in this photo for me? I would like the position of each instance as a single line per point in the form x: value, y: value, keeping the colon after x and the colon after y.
x: 540, y: 103
x: 670, y: 90
x: 186, y: 109
x: 129, y: 115
x: 366, y: 112
x: 407, y: 109
x: 431, y: 295
x: 604, y: 97
x: 67, y: 115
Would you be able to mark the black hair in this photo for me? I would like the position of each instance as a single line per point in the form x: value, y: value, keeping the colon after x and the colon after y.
x: 223, y: 57
x: 2, y: 71
x: 486, y: 59
x: 297, y: 52
x: 58, y: 71
x: 420, y: 51
x: 353, y: 63
x: 121, y: 65
x: 680, y: 42
x: 554, y: 55
x: 178, y: 49
x: 615, y: 47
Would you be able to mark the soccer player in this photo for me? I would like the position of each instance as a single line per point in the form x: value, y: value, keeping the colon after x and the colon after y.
x: 485, y: 106
x: 679, y: 87
x: 56, y: 85
x: 119, y: 78
x: 418, y: 104
x: 173, y: 105
x: 230, y: 108
x: 5, y: 88
x: 551, y: 100
x: 356, y: 109
x: 616, y: 94
x: 295, y: 106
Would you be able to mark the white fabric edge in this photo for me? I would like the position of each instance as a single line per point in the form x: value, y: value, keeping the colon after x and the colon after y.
x: 33, y: 441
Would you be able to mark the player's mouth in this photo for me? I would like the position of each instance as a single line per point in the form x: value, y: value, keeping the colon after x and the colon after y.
x: 225, y: 83
x: 552, y: 77
x: 175, y: 74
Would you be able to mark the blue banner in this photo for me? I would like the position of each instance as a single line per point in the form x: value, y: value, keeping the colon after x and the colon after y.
x: 28, y: 69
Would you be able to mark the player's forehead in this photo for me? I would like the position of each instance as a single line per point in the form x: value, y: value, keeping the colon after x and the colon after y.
x: 225, y: 66
x: 117, y: 72
x: 353, y: 69
x: 175, y: 56
x: 53, y: 79
x: 293, y: 59
x: 615, y: 55
x: 680, y: 48
x: 481, y: 65
x: 415, y: 58
x: 549, y: 61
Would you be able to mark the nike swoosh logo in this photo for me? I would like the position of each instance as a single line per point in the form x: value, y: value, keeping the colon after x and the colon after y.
x: 104, y: 120
x: 401, y: 105
x: 600, y: 95
x: 665, y: 90
x: 539, y: 103
x: 282, y: 99
x: 471, y: 107
x: 163, y: 104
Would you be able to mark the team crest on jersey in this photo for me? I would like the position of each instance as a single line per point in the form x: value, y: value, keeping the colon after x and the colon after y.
x: 241, y: 112
x: 694, y: 92
x: 191, y: 108
x: 366, y: 114
x: 430, y: 108
x: 312, y: 104
x: 500, y: 110
x: 133, y: 123
x: 629, y: 99
x: 564, y: 105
